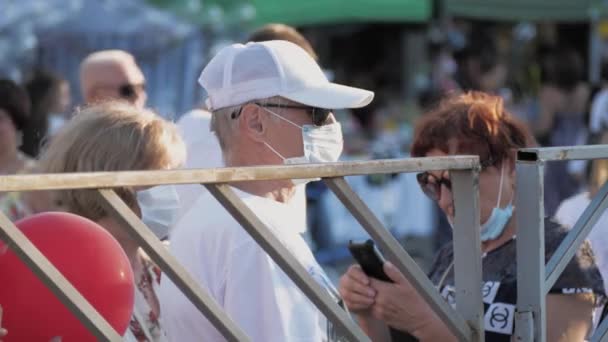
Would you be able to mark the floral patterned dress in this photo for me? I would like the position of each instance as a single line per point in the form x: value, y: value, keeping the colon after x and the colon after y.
x: 145, y: 325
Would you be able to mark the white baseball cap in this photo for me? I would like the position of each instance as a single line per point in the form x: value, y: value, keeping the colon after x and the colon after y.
x: 241, y: 73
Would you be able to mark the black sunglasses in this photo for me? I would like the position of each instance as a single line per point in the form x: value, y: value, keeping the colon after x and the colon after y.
x: 319, y: 115
x: 431, y: 185
x: 129, y: 91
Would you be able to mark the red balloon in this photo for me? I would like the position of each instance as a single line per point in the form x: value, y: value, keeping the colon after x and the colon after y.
x: 88, y: 256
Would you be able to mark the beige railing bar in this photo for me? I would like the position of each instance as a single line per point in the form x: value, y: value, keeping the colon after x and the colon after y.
x: 96, y: 180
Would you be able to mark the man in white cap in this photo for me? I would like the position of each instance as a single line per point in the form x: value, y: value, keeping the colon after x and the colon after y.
x: 270, y: 103
x: 194, y: 127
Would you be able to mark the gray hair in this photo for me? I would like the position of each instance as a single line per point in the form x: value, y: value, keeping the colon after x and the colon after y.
x: 224, y: 125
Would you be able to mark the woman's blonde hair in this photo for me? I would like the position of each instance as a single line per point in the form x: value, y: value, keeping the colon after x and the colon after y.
x: 112, y: 136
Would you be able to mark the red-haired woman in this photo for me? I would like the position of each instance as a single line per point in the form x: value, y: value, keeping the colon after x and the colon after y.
x: 476, y: 124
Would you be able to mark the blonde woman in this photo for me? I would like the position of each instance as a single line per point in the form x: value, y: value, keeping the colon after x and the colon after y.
x: 119, y: 137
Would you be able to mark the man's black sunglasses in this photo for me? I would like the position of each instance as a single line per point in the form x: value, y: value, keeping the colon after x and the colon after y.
x: 129, y: 91
x: 319, y: 115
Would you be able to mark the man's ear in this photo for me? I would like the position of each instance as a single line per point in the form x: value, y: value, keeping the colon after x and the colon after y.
x: 252, y: 122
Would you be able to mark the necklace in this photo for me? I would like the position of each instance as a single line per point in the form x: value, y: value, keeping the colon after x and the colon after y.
x: 451, y: 265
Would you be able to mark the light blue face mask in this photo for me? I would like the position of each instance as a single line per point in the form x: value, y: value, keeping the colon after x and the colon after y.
x: 159, y: 208
x: 497, y: 222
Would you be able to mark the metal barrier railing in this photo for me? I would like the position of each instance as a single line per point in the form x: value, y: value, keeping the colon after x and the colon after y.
x: 534, y: 278
x: 466, y: 325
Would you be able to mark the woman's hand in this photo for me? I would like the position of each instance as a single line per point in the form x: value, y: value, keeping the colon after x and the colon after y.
x: 400, y: 306
x: 397, y: 303
x: 356, y: 291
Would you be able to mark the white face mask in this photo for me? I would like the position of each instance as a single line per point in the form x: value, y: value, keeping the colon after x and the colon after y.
x: 159, y: 208
x: 322, y: 144
x: 56, y: 121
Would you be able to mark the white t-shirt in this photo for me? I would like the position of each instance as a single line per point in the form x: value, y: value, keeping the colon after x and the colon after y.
x: 243, y: 279
x: 568, y: 213
x: 203, y: 152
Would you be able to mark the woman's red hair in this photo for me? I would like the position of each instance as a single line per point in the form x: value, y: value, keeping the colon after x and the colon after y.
x: 472, y: 123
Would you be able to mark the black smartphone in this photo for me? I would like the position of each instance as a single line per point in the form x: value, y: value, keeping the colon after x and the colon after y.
x: 370, y: 259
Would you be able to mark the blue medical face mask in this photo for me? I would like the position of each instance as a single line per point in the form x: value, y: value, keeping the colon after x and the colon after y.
x: 497, y: 222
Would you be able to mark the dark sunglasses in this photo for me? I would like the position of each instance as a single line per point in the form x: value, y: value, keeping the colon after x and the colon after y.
x: 129, y: 91
x: 431, y: 185
x: 319, y: 115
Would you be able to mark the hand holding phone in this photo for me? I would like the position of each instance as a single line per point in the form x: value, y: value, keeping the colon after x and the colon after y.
x: 370, y: 259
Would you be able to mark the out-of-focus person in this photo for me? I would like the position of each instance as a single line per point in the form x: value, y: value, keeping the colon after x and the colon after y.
x: 476, y: 123
x: 18, y: 205
x: 50, y: 96
x: 112, y: 75
x: 598, y: 116
x: 563, y: 104
x: 480, y: 67
x: 14, y: 114
x: 270, y: 104
x: 120, y: 137
x: 278, y: 31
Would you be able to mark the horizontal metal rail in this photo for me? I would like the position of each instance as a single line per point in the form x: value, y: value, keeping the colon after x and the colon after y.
x: 563, y: 153
x: 97, y: 180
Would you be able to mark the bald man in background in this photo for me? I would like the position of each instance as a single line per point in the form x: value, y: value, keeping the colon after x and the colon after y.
x: 111, y: 75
